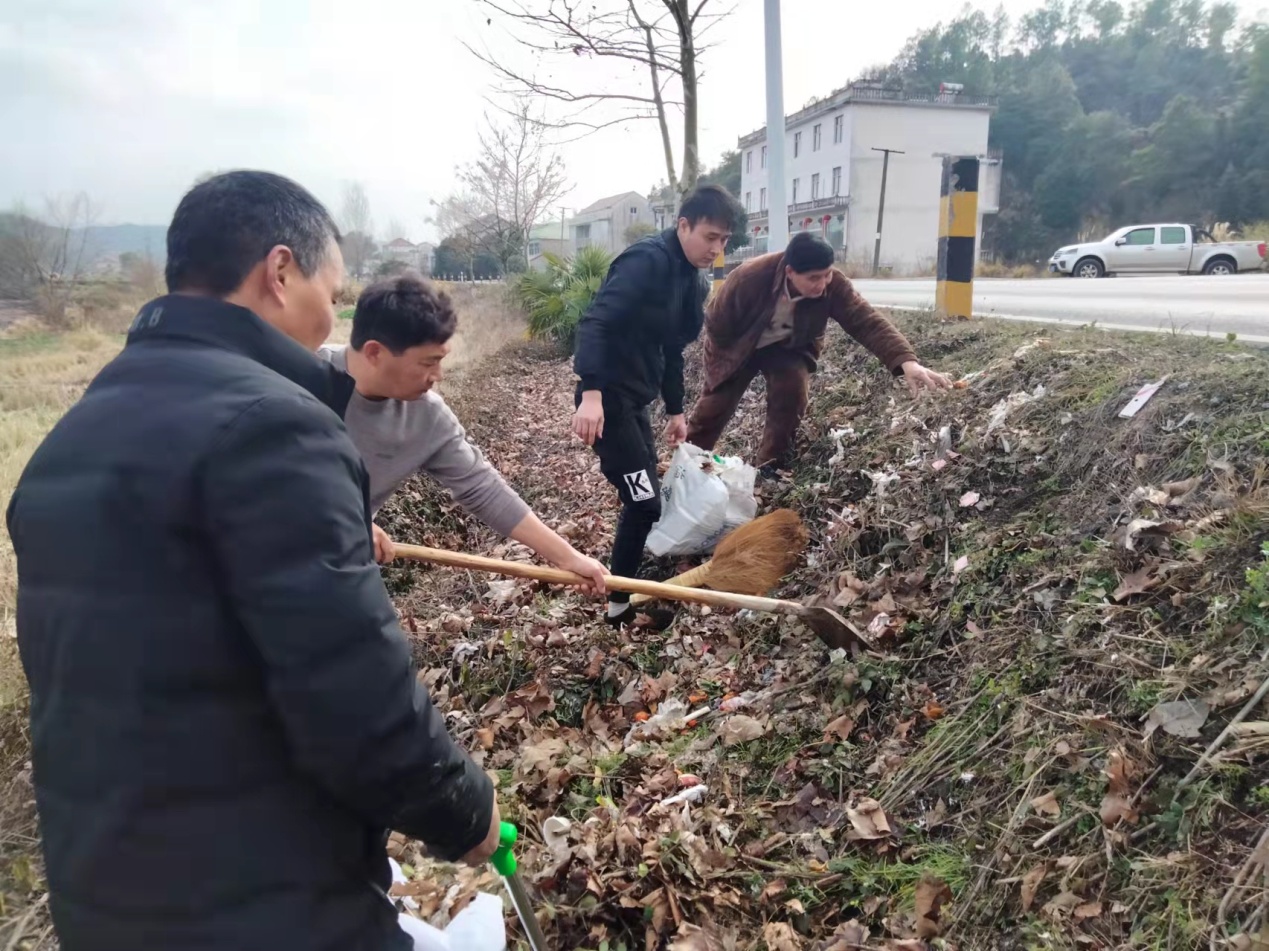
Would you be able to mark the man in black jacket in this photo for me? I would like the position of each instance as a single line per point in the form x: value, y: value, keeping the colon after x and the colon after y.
x: 224, y: 716
x: 630, y: 350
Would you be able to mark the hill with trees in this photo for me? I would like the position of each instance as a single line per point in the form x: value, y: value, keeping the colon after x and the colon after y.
x: 1109, y: 115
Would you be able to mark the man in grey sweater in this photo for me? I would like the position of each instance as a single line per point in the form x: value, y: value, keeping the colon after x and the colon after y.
x: 400, y: 336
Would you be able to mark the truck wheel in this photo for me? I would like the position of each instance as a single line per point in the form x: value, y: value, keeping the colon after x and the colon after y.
x: 1220, y: 266
x: 1088, y: 267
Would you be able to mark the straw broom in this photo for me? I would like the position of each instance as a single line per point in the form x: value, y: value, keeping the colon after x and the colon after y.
x: 750, y: 560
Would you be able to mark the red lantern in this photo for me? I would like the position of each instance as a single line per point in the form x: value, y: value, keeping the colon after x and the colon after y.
x: 757, y: 229
x: 806, y: 221
x: 826, y: 219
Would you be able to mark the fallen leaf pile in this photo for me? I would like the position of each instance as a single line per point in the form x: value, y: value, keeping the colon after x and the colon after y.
x: 1043, y: 634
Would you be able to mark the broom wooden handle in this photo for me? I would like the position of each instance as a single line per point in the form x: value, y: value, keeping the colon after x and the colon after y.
x: 688, y: 579
x: 520, y: 569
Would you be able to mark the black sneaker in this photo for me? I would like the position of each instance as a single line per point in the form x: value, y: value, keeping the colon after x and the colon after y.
x: 769, y: 472
x: 645, y: 616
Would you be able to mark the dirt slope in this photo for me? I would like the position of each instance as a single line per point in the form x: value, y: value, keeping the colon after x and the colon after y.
x: 1068, y: 607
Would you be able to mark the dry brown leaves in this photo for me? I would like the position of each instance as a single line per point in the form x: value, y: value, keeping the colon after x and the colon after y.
x: 1183, y: 718
x: 931, y: 894
x: 563, y: 739
x: 868, y: 821
x: 741, y: 729
x: 1047, y: 805
x: 1117, y: 804
x: 1030, y: 885
x: 779, y: 936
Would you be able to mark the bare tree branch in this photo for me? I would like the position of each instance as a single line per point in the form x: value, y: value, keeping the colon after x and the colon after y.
x: 46, y: 256
x: 515, y: 179
x: 358, y: 228
x: 663, y: 36
x: 666, y: 142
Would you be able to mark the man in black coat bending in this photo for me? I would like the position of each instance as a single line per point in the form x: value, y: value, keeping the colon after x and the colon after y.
x: 630, y: 351
x: 225, y: 719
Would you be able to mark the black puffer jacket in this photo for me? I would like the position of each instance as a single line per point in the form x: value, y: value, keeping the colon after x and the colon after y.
x: 651, y: 305
x: 224, y: 714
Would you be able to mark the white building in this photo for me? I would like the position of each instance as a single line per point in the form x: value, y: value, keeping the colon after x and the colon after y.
x: 550, y: 237
x: 420, y: 256
x: 833, y: 171
x: 605, y: 222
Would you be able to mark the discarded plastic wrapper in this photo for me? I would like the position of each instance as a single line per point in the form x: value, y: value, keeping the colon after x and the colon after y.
x: 673, y: 715
x: 1134, y: 405
x: 691, y: 794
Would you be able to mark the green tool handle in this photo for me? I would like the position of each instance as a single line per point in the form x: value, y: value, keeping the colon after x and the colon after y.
x: 504, y: 860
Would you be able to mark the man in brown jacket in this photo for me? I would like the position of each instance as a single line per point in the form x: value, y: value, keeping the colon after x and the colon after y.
x: 769, y: 317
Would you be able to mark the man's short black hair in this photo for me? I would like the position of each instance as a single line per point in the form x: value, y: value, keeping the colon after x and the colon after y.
x: 711, y: 203
x: 403, y: 312
x: 225, y: 226
x: 808, y: 252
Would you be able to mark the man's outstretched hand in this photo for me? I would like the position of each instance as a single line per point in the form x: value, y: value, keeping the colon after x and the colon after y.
x: 588, y: 420
x: 675, y: 430
x: 921, y: 378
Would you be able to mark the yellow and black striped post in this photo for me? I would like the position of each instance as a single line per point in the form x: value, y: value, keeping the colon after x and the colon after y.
x: 720, y: 271
x: 958, y: 234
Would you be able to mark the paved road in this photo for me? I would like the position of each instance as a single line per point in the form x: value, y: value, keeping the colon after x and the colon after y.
x: 1198, y: 305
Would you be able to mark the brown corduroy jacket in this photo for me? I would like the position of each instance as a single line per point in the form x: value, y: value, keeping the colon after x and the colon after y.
x: 741, y: 310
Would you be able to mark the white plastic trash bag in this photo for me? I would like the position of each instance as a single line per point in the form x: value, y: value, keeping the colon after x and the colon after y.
x: 739, y: 477
x: 478, y: 927
x: 703, y: 497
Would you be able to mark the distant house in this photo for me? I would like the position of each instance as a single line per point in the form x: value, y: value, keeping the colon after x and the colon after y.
x: 420, y: 256
x: 665, y: 206
x: 550, y: 237
x: 834, y: 161
x: 604, y: 223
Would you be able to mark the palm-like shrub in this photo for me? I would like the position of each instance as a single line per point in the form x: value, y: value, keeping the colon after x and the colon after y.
x: 556, y: 298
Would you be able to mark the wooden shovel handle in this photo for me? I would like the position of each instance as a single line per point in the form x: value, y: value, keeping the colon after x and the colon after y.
x: 520, y: 569
x: 688, y: 579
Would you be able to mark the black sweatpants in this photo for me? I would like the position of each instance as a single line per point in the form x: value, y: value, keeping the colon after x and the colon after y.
x: 628, y: 459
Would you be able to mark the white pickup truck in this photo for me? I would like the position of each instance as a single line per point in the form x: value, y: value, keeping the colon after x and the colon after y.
x: 1169, y: 249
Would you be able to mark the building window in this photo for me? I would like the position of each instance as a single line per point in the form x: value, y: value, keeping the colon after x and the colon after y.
x: 797, y: 144
x: 795, y: 190
x: 748, y: 201
x: 815, y: 138
x: 815, y: 186
x: 582, y: 234
x: 535, y: 248
x: 634, y: 210
x: 764, y: 156
x: 749, y: 162
x: 837, y: 181
x: 837, y: 129
x: 762, y: 199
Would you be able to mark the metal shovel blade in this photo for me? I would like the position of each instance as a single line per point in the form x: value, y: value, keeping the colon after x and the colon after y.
x: 833, y: 629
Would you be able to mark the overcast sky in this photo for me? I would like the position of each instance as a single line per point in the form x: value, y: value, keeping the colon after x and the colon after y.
x: 130, y: 100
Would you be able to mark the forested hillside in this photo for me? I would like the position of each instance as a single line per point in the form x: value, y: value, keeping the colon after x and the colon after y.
x: 1110, y: 114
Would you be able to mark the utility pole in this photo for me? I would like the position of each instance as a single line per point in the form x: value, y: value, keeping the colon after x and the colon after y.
x: 563, y: 235
x: 778, y: 213
x: 881, y: 206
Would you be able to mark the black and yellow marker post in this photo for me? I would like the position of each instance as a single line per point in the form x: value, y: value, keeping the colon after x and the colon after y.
x: 958, y: 234
x: 720, y: 271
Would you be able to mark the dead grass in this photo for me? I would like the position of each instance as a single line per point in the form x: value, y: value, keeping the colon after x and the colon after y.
x: 1016, y: 271
x: 999, y: 728
x: 41, y: 375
